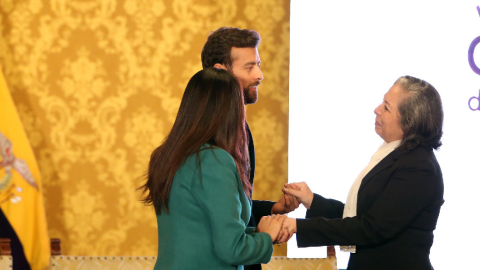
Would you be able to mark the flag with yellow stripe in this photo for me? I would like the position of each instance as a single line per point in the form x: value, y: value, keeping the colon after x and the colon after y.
x: 22, y: 216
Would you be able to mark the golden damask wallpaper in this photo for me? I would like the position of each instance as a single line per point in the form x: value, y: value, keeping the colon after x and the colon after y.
x: 97, y: 84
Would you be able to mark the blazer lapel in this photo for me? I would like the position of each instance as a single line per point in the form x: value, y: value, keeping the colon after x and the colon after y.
x: 384, y: 164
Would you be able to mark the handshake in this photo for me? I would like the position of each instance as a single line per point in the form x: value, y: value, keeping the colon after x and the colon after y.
x: 280, y: 227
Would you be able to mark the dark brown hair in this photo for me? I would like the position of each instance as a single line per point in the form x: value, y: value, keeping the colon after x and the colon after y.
x: 219, y: 44
x: 421, y: 114
x: 212, y: 111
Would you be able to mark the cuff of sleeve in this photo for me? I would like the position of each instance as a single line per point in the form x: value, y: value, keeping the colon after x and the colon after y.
x: 269, y: 252
x: 302, y: 235
x: 316, y: 202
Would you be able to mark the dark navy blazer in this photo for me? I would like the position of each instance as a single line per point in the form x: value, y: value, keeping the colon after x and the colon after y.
x: 259, y: 208
x: 398, y: 205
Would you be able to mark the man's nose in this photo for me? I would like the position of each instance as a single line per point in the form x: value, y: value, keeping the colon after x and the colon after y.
x: 258, y: 74
x: 377, y: 111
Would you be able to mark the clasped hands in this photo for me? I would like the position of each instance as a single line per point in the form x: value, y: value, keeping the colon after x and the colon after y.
x: 280, y: 227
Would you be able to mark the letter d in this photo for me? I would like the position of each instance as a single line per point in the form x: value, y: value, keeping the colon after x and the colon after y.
x: 478, y: 102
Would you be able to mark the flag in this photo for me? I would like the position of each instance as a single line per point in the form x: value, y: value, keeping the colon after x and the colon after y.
x: 22, y: 215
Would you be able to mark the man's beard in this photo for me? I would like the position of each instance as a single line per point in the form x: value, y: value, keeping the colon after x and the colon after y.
x: 250, y: 97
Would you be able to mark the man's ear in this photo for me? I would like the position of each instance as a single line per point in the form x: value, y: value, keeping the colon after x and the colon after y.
x: 219, y: 66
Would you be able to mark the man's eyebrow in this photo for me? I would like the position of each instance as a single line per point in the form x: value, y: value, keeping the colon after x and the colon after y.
x: 252, y: 63
x: 387, y: 103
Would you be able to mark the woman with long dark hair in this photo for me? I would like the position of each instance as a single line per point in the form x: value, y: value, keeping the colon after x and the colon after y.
x: 197, y: 181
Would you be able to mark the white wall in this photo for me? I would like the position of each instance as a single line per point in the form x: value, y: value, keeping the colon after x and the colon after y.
x: 345, y: 55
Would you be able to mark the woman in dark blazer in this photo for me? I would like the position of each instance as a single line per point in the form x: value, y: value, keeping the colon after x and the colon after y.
x: 397, y: 197
x: 198, y: 183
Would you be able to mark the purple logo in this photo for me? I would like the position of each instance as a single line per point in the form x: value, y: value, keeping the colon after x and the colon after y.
x: 475, y: 68
x: 478, y: 102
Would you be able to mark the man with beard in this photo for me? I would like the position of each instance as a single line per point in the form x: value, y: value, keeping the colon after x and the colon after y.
x: 236, y: 51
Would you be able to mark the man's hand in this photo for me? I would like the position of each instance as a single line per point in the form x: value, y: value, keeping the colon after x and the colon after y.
x: 301, y: 191
x: 286, y: 204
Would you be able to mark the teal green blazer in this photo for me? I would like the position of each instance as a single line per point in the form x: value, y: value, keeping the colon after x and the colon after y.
x: 206, y: 224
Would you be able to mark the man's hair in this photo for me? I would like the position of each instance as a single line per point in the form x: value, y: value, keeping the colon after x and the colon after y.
x: 421, y: 114
x: 219, y: 44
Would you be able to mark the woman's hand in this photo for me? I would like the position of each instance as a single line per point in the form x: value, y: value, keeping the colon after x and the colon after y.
x: 271, y: 225
x: 290, y: 225
x: 301, y: 191
x: 284, y: 234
